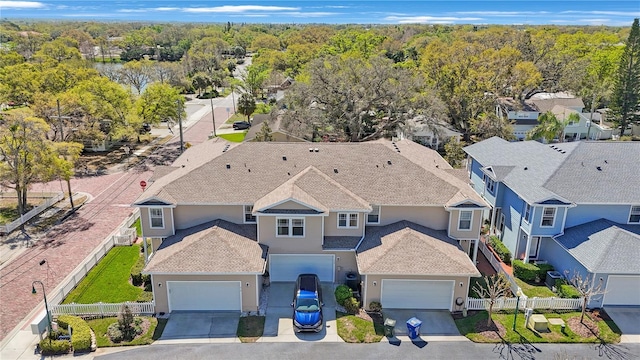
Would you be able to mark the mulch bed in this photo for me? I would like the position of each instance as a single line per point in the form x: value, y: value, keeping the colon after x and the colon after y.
x: 494, y: 331
x: 587, y: 328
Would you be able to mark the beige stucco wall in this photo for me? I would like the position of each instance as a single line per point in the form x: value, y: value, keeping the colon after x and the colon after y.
x: 372, y: 293
x: 331, y: 226
x: 345, y: 262
x: 476, y: 221
x: 249, y: 301
x: 310, y: 243
x: 434, y: 217
x: 187, y: 216
x: 147, y: 231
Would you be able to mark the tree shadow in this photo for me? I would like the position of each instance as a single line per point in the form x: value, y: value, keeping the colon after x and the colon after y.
x: 610, y: 350
x: 524, y: 349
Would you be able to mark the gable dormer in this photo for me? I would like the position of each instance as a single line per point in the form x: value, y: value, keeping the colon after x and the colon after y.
x: 156, y: 217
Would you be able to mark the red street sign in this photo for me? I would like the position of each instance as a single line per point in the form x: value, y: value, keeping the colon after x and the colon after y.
x: 143, y: 184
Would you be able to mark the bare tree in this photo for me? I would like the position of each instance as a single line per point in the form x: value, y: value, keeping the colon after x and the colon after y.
x: 496, y: 286
x: 586, y: 286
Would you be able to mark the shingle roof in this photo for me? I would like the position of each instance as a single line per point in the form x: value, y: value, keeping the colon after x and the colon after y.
x: 341, y: 242
x: 216, y: 247
x: 544, y: 105
x: 581, y: 172
x: 372, y: 171
x: 408, y: 248
x: 603, y: 246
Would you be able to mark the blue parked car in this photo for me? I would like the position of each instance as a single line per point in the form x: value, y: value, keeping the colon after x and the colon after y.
x: 307, y: 304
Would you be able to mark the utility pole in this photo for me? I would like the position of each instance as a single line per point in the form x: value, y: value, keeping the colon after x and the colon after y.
x: 180, y: 124
x: 60, y: 121
x: 213, y: 115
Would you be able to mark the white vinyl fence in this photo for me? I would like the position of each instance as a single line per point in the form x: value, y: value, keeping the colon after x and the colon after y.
x: 495, y: 263
x: 525, y: 303
x: 126, y: 237
x: 102, y: 309
x: 5, y: 229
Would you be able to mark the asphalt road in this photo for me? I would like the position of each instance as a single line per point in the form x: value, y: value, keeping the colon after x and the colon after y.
x: 406, y: 351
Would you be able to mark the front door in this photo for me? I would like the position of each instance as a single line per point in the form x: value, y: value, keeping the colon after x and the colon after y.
x: 535, y: 245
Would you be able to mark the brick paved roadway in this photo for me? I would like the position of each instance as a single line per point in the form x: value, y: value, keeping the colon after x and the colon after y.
x: 66, y: 245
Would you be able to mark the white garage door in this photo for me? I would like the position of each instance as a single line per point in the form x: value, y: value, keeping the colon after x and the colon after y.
x: 622, y: 290
x: 417, y: 294
x: 204, y: 295
x: 288, y: 267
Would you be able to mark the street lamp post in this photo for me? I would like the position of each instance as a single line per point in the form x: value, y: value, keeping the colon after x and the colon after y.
x: 515, y: 314
x: 180, y: 124
x: 46, y: 304
x: 213, y: 115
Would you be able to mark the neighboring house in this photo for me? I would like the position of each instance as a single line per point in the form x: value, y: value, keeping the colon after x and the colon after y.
x: 227, y: 217
x: 277, y: 133
x: 575, y: 205
x: 590, y: 126
x: 431, y: 135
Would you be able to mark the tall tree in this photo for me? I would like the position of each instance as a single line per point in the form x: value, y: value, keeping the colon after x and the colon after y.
x: 27, y: 155
x: 489, y: 124
x: 265, y: 133
x: 246, y: 105
x: 626, y: 93
x: 159, y: 102
x: 136, y: 74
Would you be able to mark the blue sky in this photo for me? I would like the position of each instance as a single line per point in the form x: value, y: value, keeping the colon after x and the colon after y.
x: 561, y: 12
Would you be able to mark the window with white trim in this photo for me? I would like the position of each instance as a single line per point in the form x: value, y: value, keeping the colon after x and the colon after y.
x: 527, y: 213
x: 290, y: 227
x: 634, y: 215
x: 489, y: 184
x: 374, y: 216
x: 548, y: 217
x: 347, y: 220
x: 464, y: 221
x: 248, y: 214
x: 156, y: 218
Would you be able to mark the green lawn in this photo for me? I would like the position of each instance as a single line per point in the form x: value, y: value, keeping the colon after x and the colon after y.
x: 353, y: 329
x: 236, y: 117
x: 535, y: 290
x: 108, y: 282
x: 100, y: 326
x: 138, y: 226
x: 250, y: 328
x: 234, y: 137
x: 609, y: 333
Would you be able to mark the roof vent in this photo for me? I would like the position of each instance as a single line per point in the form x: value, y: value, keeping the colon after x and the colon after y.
x: 335, y: 170
x: 599, y: 168
x: 316, y: 150
x: 526, y: 168
x: 289, y: 173
x: 284, y: 158
x: 249, y: 170
x: 228, y: 166
x: 605, y: 162
x: 388, y: 162
x: 183, y: 165
x: 310, y: 149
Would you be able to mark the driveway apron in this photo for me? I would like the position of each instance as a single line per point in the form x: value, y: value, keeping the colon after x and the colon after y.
x: 628, y: 320
x: 436, y: 324
x: 199, y: 325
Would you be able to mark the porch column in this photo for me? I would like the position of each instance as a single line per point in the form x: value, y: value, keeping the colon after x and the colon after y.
x: 475, y: 251
x: 144, y: 247
x: 527, y: 249
x: 493, y: 221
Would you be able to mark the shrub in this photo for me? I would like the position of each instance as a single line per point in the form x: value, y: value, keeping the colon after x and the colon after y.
x: 352, y: 305
x: 542, y: 273
x: 146, y: 295
x: 114, y: 333
x: 54, y: 347
x: 81, y: 332
x: 500, y: 249
x: 566, y: 290
x: 525, y: 272
x: 375, y: 306
x: 137, y: 278
x: 343, y: 292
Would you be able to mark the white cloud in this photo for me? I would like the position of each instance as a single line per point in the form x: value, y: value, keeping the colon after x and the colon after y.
x: 598, y: 12
x: 501, y: 13
x: 429, y: 19
x: 21, y: 5
x: 238, y: 9
x: 166, y: 9
x: 309, y: 14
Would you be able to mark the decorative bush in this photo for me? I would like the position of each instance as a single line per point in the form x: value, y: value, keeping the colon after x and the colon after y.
x: 503, y: 253
x: 137, y: 278
x: 80, y: 332
x: 146, y: 295
x: 54, y: 347
x: 566, y: 290
x: 375, y: 306
x: 343, y: 292
x: 543, y: 268
x: 525, y: 272
x: 352, y: 305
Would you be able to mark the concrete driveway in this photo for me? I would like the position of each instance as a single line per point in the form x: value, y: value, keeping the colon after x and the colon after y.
x: 628, y: 320
x: 201, y: 325
x: 437, y: 325
x: 278, y: 325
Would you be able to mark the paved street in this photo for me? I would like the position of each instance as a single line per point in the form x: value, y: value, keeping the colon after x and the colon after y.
x: 405, y: 350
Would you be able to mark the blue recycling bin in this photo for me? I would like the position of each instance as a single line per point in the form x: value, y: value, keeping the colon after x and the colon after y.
x: 413, y: 327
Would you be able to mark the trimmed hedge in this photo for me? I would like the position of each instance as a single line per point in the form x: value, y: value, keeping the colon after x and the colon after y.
x: 80, y: 332
x: 54, y: 347
x: 375, y: 306
x: 529, y: 272
x: 137, y: 278
x: 343, y: 292
x: 500, y: 249
x: 352, y: 305
x: 566, y: 290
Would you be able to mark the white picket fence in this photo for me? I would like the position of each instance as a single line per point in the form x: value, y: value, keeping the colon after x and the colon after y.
x: 5, y: 229
x: 126, y: 237
x: 102, y: 309
x: 495, y: 263
x: 551, y: 303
